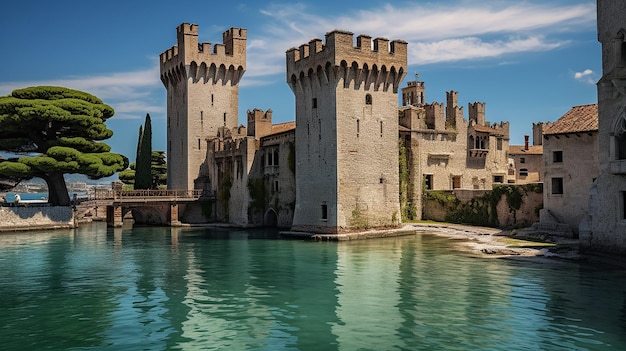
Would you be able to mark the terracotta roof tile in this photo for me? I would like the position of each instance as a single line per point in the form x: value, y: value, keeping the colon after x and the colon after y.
x: 583, y: 118
x: 532, y: 150
x: 283, y: 127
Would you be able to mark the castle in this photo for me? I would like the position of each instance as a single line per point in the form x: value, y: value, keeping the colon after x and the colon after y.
x: 339, y: 166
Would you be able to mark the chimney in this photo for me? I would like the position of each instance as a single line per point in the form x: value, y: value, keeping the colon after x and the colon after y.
x: 526, y: 142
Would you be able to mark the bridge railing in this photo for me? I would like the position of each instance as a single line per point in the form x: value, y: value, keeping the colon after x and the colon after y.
x: 119, y: 195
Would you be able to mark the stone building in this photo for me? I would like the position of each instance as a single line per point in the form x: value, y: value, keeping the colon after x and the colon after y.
x: 251, y: 171
x: 347, y: 131
x: 202, y: 83
x: 526, y: 161
x: 570, y: 158
x: 445, y: 151
x: 605, y: 228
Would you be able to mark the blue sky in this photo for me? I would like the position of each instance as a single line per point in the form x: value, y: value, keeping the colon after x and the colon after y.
x: 529, y: 60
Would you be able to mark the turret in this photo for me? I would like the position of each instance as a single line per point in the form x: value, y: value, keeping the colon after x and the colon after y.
x: 476, y: 112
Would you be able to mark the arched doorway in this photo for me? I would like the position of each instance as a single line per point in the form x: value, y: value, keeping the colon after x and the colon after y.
x: 271, y: 218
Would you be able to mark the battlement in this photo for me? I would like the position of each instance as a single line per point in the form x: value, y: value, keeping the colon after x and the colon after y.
x: 340, y: 44
x: 231, y: 53
x: 259, y: 123
x: 476, y: 112
x: 233, y: 40
x: 364, y: 63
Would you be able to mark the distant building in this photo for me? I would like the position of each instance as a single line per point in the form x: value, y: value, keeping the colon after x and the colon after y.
x: 526, y: 161
x: 570, y: 155
x: 605, y: 228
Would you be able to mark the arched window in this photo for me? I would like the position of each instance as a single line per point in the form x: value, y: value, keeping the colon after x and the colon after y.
x: 368, y: 99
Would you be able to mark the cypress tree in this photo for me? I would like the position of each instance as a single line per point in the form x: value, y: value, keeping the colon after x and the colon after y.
x: 143, y: 169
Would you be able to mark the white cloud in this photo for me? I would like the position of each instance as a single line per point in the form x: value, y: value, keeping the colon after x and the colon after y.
x: 464, y: 30
x: 475, y: 48
x: 587, y: 76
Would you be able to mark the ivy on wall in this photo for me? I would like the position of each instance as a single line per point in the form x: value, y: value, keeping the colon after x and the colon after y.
x: 256, y: 188
x: 407, y: 209
x: 482, y: 210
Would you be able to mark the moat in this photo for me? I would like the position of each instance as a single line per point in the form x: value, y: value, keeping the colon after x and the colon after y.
x: 161, y: 288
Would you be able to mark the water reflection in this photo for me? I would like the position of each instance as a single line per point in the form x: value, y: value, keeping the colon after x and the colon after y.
x: 177, y: 288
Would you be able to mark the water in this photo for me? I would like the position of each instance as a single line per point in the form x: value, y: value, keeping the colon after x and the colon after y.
x: 171, y: 289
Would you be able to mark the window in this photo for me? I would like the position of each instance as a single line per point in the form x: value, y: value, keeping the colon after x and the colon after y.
x: 456, y: 182
x: 324, y: 211
x: 224, y: 118
x: 557, y: 185
x: 499, y: 143
x: 381, y: 128
x: 211, y: 99
x: 198, y: 143
x: 314, y: 102
x: 523, y: 172
x: 498, y: 179
x: 557, y: 156
x: 201, y: 116
x: 522, y: 160
x: 368, y: 99
x: 623, y: 205
x: 275, y: 157
x: 428, y: 181
x: 358, y: 127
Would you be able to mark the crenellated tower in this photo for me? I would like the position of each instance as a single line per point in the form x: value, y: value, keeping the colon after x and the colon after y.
x: 347, y: 131
x: 202, y: 83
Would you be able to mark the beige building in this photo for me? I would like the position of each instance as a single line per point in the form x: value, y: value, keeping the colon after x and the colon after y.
x: 526, y: 161
x: 570, y: 157
x: 605, y: 228
x: 445, y: 151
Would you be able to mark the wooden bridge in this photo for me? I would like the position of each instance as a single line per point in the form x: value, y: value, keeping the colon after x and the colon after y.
x: 152, y: 206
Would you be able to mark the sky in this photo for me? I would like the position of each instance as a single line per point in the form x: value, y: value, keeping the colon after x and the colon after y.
x: 528, y: 60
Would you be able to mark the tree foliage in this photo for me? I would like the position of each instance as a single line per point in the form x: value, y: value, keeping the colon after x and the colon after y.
x: 159, y: 171
x: 56, y: 131
x: 143, y: 162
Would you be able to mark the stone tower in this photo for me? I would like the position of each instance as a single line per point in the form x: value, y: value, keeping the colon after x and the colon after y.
x: 202, y: 85
x: 413, y: 94
x: 605, y: 229
x: 347, y: 131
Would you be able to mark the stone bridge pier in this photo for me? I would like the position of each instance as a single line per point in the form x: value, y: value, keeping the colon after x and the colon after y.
x: 149, y: 213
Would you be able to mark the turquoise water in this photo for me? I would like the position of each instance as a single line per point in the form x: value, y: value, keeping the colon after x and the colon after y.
x: 171, y: 289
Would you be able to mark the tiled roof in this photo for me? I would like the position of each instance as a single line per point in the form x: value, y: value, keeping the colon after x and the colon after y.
x: 532, y: 150
x: 283, y: 127
x: 583, y: 118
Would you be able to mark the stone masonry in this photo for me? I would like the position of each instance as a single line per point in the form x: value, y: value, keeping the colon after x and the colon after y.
x: 202, y: 83
x: 347, y: 130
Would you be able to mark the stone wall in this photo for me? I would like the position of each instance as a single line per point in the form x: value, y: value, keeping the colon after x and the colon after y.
x: 41, y: 217
x: 508, y: 206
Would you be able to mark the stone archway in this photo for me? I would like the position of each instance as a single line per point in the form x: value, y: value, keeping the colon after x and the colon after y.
x: 271, y: 218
